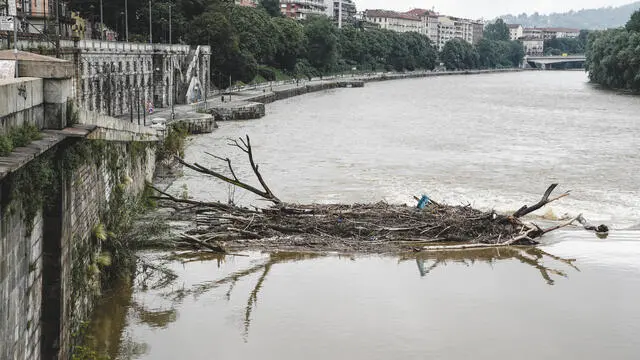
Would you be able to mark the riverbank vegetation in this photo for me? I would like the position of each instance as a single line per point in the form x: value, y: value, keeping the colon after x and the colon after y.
x: 570, y: 46
x: 18, y: 137
x: 613, y: 57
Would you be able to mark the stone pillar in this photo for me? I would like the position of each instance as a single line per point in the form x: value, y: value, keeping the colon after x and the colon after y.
x: 57, y: 92
x: 57, y: 78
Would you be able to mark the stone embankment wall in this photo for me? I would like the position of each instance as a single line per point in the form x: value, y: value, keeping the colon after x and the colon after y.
x: 252, y: 107
x: 49, y: 272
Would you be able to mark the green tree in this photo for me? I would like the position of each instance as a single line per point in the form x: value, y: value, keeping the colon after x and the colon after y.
x: 322, y: 43
x: 634, y: 23
x: 498, y: 31
x: 458, y: 54
x: 421, y: 51
x: 290, y: 42
x: 612, y: 59
x: 255, y: 32
x: 272, y: 7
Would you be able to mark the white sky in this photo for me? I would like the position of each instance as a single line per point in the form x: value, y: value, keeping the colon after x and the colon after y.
x: 488, y: 9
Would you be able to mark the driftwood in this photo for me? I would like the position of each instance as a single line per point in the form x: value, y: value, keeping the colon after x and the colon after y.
x: 377, y: 227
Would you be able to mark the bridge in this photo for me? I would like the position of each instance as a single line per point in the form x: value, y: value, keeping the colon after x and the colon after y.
x: 555, y: 62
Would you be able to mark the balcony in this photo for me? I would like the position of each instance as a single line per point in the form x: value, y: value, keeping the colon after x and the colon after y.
x: 310, y: 3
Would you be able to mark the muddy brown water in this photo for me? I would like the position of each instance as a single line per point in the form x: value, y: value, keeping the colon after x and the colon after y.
x: 494, y: 141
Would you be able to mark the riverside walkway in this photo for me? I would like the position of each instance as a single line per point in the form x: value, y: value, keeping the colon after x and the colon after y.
x: 247, y: 102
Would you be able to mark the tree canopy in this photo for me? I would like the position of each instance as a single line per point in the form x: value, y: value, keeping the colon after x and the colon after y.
x: 272, y: 7
x: 613, y: 59
x: 498, y: 31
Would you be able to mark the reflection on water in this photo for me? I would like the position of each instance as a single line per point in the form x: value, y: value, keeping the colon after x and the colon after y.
x: 533, y: 257
x: 292, y: 305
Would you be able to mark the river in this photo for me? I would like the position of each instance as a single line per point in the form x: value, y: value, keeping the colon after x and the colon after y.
x: 492, y: 141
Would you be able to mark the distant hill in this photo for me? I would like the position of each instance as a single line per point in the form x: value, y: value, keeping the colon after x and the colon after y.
x: 591, y: 19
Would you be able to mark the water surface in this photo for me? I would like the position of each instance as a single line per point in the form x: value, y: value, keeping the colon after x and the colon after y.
x: 494, y: 141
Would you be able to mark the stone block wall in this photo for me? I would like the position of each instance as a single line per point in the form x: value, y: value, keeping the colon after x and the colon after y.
x: 47, y: 288
x: 91, y: 190
x: 20, y: 285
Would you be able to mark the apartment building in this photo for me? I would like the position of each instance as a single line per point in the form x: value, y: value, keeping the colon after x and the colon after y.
x: 348, y: 10
x: 559, y: 33
x: 533, y: 46
x: 551, y: 33
x: 39, y: 17
x: 478, y: 30
x: 250, y: 3
x: 429, y: 22
x: 516, y: 31
x: 395, y: 21
x: 450, y: 27
x: 301, y: 9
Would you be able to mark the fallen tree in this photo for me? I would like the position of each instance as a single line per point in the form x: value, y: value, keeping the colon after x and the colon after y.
x: 379, y: 227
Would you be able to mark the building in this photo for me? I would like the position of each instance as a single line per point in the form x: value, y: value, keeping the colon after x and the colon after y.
x: 438, y: 28
x: 532, y: 33
x: 478, y: 31
x: 533, y: 46
x: 516, y: 31
x: 560, y: 33
x: 395, y: 21
x: 457, y: 28
x: 250, y: 3
x: 348, y: 10
x: 429, y: 22
x: 446, y: 31
x: 551, y: 33
x: 301, y: 9
x: 39, y: 17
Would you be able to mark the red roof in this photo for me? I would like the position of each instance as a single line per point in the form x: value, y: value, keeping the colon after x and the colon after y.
x: 420, y: 12
x: 390, y: 14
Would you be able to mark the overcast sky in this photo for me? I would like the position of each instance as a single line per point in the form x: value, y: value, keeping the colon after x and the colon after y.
x: 488, y: 8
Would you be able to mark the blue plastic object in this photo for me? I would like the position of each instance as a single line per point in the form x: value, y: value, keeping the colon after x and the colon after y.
x: 424, y: 201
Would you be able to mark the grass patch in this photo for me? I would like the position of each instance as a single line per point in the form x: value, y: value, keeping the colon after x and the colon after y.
x: 18, y: 137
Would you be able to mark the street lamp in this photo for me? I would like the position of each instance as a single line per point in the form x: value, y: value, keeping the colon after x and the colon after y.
x: 150, y: 28
x: 101, y: 22
x: 126, y: 19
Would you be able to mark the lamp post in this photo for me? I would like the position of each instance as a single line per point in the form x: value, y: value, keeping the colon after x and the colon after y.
x: 170, y: 24
x: 101, y: 22
x: 150, y: 28
x: 126, y: 19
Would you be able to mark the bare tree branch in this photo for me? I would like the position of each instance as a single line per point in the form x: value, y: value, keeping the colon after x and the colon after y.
x: 245, y: 146
x: 544, y: 201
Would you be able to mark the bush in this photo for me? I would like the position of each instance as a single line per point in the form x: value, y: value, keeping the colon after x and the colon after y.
x: 6, y: 146
x: 174, y: 142
x: 24, y: 135
x: 267, y: 73
x: 18, y: 137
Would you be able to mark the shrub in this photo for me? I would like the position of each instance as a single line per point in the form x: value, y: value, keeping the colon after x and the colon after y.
x: 6, y: 146
x: 24, y: 135
x: 267, y: 73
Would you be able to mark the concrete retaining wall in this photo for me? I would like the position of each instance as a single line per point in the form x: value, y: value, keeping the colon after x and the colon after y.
x: 21, y: 103
x: 203, y: 124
